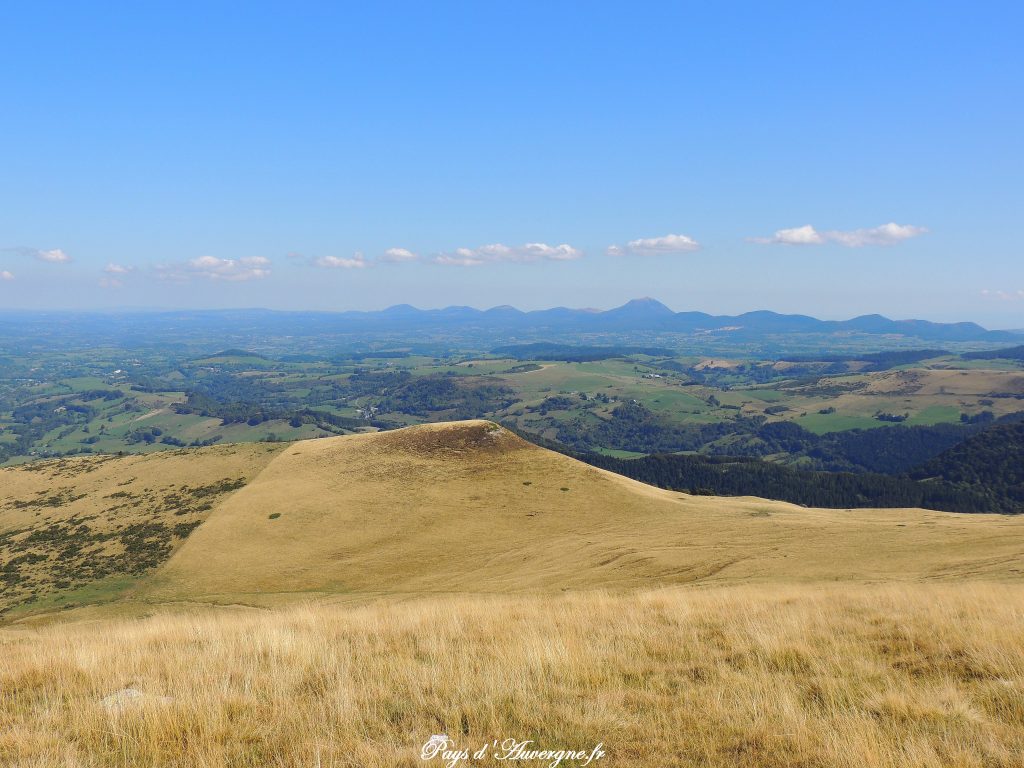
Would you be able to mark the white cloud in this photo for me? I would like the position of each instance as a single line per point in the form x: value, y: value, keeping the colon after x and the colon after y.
x: 247, y: 268
x: 653, y: 246
x: 6, y: 276
x: 805, y: 235
x: 213, y: 268
x: 53, y: 256
x: 496, y: 252
x: 1003, y: 295
x: 118, y: 269
x: 110, y: 282
x: 398, y: 255
x: 358, y: 261
x: 886, y: 234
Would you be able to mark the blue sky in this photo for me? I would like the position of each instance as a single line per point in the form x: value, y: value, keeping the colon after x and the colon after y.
x: 720, y: 157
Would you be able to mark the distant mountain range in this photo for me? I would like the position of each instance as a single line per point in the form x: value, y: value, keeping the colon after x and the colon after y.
x: 504, y: 324
x: 651, y: 315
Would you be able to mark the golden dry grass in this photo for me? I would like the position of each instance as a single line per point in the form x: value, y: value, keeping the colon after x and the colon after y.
x: 949, y: 382
x: 927, y: 676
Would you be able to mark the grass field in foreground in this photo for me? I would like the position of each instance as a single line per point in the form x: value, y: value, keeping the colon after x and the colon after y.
x: 851, y: 677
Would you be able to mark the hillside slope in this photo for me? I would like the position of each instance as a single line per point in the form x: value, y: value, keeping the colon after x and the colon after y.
x: 470, y: 507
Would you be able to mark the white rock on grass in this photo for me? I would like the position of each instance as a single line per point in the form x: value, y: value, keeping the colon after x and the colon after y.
x: 131, y: 697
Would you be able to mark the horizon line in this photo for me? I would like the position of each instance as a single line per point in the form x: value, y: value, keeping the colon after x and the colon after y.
x: 129, y: 310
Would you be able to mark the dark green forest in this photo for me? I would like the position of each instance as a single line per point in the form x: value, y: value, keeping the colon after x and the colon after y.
x: 983, y: 473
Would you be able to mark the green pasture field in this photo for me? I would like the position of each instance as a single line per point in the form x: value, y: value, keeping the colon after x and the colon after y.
x: 820, y: 423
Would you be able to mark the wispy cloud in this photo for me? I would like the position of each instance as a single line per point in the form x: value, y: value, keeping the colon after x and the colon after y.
x: 1003, y: 295
x: 358, y: 261
x: 113, y: 273
x: 52, y: 256
x: 496, y: 252
x: 886, y: 234
x: 399, y: 255
x: 213, y: 268
x: 6, y: 276
x: 654, y: 246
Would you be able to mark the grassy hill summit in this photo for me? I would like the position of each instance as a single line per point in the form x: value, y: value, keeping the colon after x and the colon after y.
x: 470, y: 507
